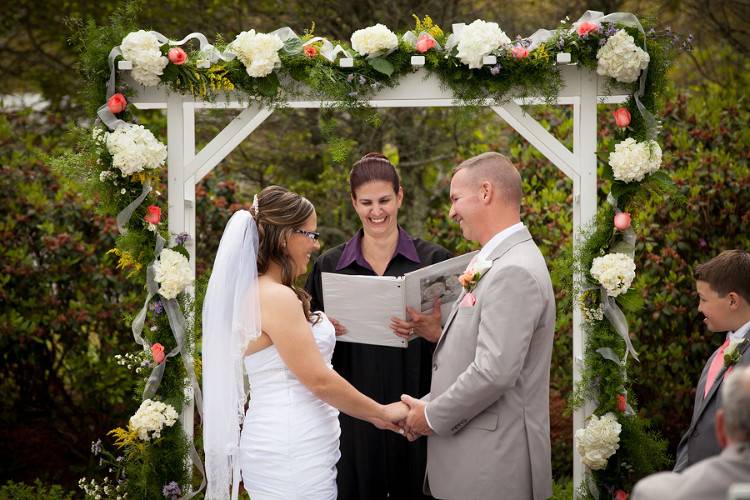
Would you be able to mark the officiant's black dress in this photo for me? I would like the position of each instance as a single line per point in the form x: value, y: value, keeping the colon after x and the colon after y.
x: 379, y: 464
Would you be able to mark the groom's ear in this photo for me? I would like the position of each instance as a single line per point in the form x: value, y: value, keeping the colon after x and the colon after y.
x: 486, y: 192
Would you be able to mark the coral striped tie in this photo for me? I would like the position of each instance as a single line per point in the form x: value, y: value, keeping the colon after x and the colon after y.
x: 715, y: 367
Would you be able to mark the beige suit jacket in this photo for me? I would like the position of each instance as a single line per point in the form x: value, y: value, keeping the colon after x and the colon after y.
x: 489, y: 399
x: 709, y: 479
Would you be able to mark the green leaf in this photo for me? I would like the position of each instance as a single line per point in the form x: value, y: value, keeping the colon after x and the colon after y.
x: 381, y: 65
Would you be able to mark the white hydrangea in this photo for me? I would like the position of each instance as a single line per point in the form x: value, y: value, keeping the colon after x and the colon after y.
x: 620, y: 58
x: 141, y: 48
x: 374, y: 40
x: 479, y: 39
x: 172, y: 271
x: 134, y: 148
x: 259, y: 52
x: 598, y: 441
x: 632, y: 160
x: 151, y: 418
x: 615, y: 272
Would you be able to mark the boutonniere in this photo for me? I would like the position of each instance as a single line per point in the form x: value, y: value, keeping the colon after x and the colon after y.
x: 732, y: 352
x: 470, y: 278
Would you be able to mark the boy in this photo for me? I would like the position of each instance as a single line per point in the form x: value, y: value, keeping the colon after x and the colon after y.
x: 723, y: 285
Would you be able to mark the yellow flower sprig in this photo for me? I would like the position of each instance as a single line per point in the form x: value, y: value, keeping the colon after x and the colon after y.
x: 126, y: 261
x: 427, y: 26
x: 124, y: 438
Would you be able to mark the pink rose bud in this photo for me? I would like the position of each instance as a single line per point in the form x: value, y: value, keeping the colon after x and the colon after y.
x: 622, y: 403
x: 587, y: 27
x: 117, y: 103
x: 622, y: 117
x: 157, y: 352
x: 153, y: 214
x: 519, y: 52
x: 621, y: 495
x: 425, y: 43
x: 622, y: 221
x: 311, y: 50
x: 177, y: 56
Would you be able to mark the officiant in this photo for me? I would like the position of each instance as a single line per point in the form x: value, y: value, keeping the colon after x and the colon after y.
x: 376, y: 464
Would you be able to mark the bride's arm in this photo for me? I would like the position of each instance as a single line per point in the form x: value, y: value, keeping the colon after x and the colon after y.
x: 284, y: 321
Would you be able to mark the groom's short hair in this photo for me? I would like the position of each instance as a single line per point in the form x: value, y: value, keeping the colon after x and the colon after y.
x: 735, y: 400
x: 499, y: 170
x: 727, y: 272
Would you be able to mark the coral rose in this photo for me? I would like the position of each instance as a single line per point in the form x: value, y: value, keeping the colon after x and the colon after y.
x: 622, y: 403
x: 622, y: 221
x: 117, y: 103
x: 622, y: 117
x: 425, y: 43
x: 157, y: 352
x: 177, y: 56
x: 311, y: 50
x: 153, y: 214
x: 587, y: 27
x: 519, y: 52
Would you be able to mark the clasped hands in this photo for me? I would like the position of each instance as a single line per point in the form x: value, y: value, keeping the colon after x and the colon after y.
x: 407, y: 417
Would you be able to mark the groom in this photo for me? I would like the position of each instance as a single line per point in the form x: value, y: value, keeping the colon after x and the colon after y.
x: 487, y: 413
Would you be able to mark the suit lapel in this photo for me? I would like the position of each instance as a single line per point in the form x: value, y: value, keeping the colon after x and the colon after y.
x: 511, y: 241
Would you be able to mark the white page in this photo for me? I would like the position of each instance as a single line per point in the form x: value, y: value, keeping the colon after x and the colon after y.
x: 365, y: 305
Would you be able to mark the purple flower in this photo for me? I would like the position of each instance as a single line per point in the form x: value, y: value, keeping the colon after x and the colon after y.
x: 157, y: 307
x: 362, y: 80
x: 171, y: 490
x: 702, y: 243
x: 181, y: 238
x: 96, y: 447
x: 611, y: 30
x: 495, y: 70
x: 350, y: 77
x: 560, y: 43
x: 602, y: 41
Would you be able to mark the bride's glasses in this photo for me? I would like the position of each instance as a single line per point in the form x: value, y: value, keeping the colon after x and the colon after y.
x: 310, y: 234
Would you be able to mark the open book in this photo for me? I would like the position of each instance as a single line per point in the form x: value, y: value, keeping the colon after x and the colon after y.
x: 365, y: 304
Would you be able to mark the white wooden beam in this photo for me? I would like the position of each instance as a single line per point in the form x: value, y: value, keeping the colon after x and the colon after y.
x: 228, y: 139
x: 540, y: 138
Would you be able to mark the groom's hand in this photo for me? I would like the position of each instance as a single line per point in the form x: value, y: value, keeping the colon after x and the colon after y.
x: 416, y: 422
x: 426, y: 326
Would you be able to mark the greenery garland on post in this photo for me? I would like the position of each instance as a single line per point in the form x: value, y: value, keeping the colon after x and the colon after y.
x: 481, y: 65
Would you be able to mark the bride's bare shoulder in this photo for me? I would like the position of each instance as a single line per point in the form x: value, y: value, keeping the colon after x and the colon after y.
x: 275, y: 296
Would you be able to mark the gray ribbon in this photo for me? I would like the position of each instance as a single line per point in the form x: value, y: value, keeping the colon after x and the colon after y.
x: 151, y: 288
x: 327, y: 49
x: 608, y: 353
x: 593, y: 488
x: 618, y: 321
x: 126, y: 213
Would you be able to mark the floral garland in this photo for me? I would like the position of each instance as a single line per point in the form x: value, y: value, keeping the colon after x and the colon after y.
x: 480, y: 64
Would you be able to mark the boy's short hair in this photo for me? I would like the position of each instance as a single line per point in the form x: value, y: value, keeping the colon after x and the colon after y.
x: 727, y: 272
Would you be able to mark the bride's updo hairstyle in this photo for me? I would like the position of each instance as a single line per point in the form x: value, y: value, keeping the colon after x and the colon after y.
x: 372, y: 167
x: 277, y: 213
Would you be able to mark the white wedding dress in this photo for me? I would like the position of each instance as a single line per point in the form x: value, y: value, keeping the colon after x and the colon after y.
x: 289, y: 443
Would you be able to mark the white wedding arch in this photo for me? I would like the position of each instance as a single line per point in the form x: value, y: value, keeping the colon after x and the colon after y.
x: 582, y: 89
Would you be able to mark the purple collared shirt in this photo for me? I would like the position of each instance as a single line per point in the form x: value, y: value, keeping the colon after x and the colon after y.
x: 353, y: 250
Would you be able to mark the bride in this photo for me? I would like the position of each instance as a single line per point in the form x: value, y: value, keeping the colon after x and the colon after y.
x: 255, y: 320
